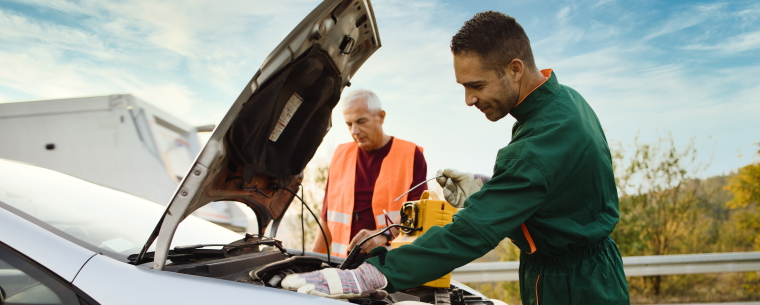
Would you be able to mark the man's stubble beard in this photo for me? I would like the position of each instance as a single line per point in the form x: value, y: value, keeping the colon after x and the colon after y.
x: 507, y: 99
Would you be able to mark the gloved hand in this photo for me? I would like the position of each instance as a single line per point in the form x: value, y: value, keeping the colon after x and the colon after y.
x: 457, y: 186
x: 364, y: 281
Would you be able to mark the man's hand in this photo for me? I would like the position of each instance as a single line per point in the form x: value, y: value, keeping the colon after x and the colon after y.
x: 375, y: 242
x: 364, y: 281
x: 457, y: 186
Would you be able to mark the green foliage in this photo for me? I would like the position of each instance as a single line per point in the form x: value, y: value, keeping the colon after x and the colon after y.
x: 745, y: 186
x: 507, y: 292
x: 695, y: 288
x: 660, y: 198
x: 665, y: 209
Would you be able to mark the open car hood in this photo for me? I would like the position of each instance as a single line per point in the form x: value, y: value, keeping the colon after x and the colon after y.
x: 257, y: 153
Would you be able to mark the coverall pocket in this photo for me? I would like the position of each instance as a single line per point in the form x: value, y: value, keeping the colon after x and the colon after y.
x: 552, y: 290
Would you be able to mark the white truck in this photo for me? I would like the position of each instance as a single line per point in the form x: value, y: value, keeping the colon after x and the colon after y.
x: 93, y: 137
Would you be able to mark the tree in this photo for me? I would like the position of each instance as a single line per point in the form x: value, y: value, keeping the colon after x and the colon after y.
x: 745, y: 188
x: 659, y: 199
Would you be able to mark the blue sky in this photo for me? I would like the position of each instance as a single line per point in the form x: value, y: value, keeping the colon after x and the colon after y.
x: 646, y: 67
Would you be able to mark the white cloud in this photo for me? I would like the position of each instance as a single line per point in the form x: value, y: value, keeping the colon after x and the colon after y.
x: 749, y: 13
x: 566, y: 33
x: 24, y: 32
x: 739, y: 43
x: 172, y: 98
x: 633, y: 95
x: 602, y: 3
x: 691, y: 17
x: 31, y: 73
x: 215, y: 41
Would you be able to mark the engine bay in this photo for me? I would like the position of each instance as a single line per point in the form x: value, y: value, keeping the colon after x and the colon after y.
x: 262, y: 261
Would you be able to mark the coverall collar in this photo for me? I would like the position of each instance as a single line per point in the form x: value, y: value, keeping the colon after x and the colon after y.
x: 538, y: 98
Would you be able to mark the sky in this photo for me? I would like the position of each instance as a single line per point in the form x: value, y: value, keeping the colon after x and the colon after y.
x: 648, y: 68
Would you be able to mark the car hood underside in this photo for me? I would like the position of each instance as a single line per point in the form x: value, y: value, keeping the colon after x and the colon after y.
x: 259, y: 150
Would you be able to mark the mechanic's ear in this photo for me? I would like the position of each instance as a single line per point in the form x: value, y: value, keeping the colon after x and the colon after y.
x: 516, y: 68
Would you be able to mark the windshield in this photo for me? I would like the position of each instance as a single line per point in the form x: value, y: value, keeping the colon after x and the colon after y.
x: 99, y: 216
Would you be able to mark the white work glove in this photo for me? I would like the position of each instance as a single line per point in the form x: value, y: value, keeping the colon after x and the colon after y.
x: 364, y: 281
x: 457, y: 186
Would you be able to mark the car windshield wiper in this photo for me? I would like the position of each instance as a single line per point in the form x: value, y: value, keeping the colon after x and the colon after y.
x: 266, y: 242
x: 191, y: 250
x: 199, y: 246
x: 148, y: 257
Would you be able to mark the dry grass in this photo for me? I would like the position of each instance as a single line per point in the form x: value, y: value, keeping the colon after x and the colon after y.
x: 691, y: 288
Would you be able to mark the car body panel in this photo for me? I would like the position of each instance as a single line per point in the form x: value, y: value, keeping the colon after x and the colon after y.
x: 107, y: 280
x: 94, y: 217
x: 104, y: 278
x: 112, y: 282
x: 55, y: 253
x: 239, y: 162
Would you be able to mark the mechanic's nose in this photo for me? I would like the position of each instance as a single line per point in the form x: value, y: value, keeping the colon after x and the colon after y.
x: 354, y: 130
x: 470, y: 99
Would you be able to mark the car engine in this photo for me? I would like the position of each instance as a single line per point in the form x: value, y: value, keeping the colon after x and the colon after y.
x: 263, y: 261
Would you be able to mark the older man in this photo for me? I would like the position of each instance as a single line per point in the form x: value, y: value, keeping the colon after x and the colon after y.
x: 366, y: 175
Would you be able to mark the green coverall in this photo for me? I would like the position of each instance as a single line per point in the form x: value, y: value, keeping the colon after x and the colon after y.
x: 556, y: 178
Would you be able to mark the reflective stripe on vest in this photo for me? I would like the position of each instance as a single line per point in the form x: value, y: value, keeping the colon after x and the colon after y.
x: 339, y: 217
x: 395, y: 177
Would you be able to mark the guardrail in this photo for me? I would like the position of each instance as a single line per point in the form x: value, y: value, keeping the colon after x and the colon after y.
x: 633, y: 265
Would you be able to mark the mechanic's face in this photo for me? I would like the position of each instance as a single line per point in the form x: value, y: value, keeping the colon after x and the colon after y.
x: 366, y: 128
x: 495, y: 96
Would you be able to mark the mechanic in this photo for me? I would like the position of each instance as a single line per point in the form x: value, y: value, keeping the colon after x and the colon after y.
x: 552, y: 192
x: 365, y: 177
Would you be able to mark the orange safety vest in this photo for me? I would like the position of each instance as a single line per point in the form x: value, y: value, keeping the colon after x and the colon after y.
x: 395, y: 178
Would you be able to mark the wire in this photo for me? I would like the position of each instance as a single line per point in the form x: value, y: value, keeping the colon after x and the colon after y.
x: 324, y: 235
x: 356, y: 250
x: 416, y: 186
x: 303, y: 231
x: 386, y: 229
x: 423, y: 182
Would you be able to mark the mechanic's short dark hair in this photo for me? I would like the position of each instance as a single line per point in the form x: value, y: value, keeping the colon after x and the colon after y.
x: 496, y: 38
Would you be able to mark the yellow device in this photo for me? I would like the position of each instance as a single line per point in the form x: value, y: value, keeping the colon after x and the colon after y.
x: 424, y: 213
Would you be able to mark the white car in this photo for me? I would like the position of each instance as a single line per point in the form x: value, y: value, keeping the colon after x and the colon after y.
x: 67, y: 241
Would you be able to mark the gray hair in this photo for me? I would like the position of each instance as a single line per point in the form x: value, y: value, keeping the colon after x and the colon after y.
x: 373, y: 103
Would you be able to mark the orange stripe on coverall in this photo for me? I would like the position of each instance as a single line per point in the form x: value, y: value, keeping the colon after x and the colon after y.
x: 547, y: 73
x: 529, y: 238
